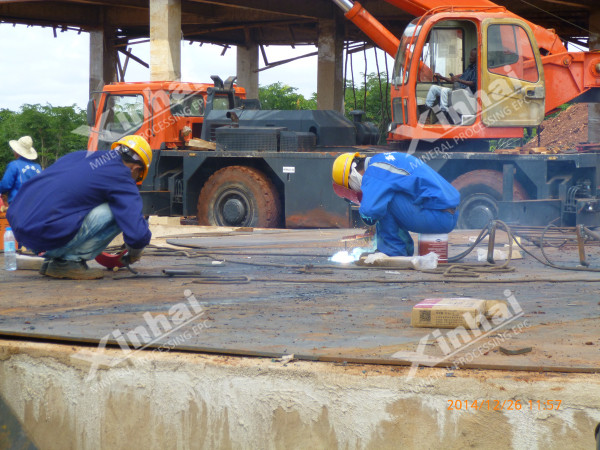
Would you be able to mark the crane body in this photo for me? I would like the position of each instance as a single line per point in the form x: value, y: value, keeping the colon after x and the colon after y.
x: 523, y: 70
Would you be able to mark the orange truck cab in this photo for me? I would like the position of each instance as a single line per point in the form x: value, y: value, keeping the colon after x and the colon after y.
x: 166, y: 113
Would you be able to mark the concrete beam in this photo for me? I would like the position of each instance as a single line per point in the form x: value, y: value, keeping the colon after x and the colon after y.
x: 330, y: 88
x: 103, y: 57
x: 165, y: 40
x: 165, y: 399
x: 594, y: 108
x: 247, y: 67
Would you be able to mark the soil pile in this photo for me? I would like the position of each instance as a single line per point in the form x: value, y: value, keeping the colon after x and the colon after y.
x: 563, y: 131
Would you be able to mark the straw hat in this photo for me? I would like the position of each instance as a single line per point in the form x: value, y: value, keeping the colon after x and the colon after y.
x: 24, y: 147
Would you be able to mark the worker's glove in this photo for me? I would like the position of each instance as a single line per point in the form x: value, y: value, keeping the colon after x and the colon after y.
x: 133, y: 255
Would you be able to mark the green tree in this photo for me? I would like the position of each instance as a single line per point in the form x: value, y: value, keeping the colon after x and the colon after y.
x: 282, y: 96
x: 372, y: 97
x: 50, y: 127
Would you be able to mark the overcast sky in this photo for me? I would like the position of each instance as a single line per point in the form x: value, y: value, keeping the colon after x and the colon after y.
x: 36, y: 67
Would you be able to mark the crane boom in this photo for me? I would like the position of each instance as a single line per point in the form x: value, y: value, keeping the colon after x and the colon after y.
x: 358, y: 15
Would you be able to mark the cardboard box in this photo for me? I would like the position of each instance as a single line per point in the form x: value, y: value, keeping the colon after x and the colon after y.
x: 448, y: 313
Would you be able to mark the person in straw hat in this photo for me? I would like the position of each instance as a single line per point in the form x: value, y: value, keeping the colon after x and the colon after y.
x: 21, y: 169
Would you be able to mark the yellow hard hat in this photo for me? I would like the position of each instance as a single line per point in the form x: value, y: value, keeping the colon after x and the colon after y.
x: 140, y: 146
x: 341, y: 168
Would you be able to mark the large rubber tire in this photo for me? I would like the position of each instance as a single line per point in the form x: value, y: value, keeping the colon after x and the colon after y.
x: 238, y: 196
x: 480, y: 192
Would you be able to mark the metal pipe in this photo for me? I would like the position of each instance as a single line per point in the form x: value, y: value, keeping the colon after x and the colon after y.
x: 345, y: 5
x: 111, y: 343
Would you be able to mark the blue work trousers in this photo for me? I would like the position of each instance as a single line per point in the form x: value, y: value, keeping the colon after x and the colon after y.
x: 403, y: 216
x: 98, y: 229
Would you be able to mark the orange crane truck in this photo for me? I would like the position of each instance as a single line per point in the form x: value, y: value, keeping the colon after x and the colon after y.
x: 221, y: 159
x: 523, y: 72
x: 273, y: 168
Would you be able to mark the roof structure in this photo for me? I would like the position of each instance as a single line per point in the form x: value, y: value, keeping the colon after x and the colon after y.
x: 266, y: 22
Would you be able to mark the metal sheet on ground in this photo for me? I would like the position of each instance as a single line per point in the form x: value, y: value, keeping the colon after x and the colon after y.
x: 295, y: 303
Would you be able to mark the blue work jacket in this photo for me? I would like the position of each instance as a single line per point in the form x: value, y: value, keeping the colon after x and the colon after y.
x: 50, y: 208
x: 18, y: 172
x: 388, y: 174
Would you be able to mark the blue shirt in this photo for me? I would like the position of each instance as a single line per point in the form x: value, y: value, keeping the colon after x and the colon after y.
x: 391, y: 173
x: 50, y: 208
x: 17, y: 172
x: 470, y: 74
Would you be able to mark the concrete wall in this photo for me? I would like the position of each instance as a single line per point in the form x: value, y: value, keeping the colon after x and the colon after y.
x: 183, y: 401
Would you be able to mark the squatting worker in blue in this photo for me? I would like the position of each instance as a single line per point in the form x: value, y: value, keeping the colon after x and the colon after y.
x: 21, y: 169
x: 74, y: 208
x: 400, y: 193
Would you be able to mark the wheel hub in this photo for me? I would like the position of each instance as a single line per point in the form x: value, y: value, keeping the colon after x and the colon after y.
x: 479, y: 216
x: 477, y: 211
x: 234, y: 211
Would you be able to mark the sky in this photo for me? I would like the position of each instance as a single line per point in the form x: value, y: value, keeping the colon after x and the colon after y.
x: 36, y: 67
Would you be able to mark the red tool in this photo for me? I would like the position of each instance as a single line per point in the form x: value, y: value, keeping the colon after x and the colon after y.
x: 111, y: 260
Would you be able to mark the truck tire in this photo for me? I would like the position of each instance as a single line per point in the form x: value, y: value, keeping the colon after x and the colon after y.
x: 480, y: 192
x: 238, y: 196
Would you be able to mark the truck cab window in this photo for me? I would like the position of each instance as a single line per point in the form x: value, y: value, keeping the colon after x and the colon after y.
x: 221, y: 102
x: 405, y: 51
x: 187, y: 105
x: 509, y: 53
x: 443, y: 53
x: 447, y: 53
x: 124, y: 113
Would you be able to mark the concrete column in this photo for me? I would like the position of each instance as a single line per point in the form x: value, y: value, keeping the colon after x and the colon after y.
x: 247, y: 69
x: 165, y: 40
x: 330, y: 88
x: 103, y: 58
x: 594, y: 108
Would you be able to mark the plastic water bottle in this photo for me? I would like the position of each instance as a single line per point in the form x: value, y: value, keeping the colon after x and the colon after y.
x: 10, y: 253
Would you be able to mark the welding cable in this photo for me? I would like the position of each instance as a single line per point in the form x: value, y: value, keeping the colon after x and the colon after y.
x: 482, y: 235
x: 452, y: 270
x: 474, y: 270
x: 547, y: 262
x: 511, y: 238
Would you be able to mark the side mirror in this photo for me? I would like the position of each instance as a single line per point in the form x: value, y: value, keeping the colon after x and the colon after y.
x: 91, y: 112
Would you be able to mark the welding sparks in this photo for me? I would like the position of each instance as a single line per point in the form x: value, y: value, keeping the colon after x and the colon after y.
x: 344, y: 257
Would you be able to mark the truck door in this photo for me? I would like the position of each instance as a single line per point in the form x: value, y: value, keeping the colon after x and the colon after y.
x: 512, y: 77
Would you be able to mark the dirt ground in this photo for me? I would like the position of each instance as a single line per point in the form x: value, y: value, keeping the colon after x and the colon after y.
x: 563, y: 131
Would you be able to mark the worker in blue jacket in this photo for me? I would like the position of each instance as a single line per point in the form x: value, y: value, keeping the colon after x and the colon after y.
x: 74, y: 208
x: 21, y: 169
x: 400, y: 193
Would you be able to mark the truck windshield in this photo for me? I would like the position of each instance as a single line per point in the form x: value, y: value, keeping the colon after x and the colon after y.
x: 123, y: 114
x: 405, y: 51
x: 442, y: 53
x: 221, y: 102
